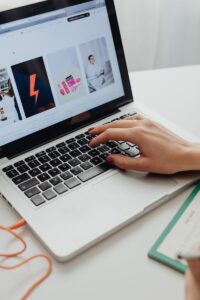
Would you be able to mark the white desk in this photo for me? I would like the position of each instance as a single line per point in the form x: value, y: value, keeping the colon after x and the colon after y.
x: 118, y: 268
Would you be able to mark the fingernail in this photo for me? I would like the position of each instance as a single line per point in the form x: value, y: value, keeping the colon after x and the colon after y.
x: 110, y: 160
x: 90, y: 129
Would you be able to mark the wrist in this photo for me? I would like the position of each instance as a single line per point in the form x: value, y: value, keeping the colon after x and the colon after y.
x: 190, y: 160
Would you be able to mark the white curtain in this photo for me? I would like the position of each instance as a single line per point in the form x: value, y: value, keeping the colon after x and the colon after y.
x: 160, y: 33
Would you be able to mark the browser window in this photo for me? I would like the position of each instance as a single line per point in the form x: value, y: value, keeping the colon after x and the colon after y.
x: 55, y: 66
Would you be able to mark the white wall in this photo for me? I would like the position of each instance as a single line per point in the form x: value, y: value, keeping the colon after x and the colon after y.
x: 156, y: 33
x: 160, y: 33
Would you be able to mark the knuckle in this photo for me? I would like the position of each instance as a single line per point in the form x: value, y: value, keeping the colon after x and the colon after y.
x: 148, y: 123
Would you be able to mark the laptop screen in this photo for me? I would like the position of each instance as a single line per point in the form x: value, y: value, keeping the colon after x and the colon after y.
x: 54, y: 66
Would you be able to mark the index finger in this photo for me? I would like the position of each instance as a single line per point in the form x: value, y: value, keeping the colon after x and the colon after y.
x: 116, y: 124
x: 116, y: 134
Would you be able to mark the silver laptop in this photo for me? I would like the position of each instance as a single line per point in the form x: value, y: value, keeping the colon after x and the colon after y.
x: 62, y: 71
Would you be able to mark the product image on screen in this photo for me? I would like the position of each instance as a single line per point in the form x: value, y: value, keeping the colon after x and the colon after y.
x: 66, y: 72
x: 33, y: 86
x: 9, y: 110
x: 97, y: 64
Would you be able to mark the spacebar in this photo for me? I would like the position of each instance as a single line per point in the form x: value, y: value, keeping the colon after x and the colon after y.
x: 94, y: 172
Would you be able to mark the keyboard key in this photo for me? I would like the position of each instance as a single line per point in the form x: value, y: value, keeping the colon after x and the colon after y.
x: 132, y: 114
x: 38, y: 200
x: 115, y: 151
x: 29, y: 159
x: 12, y: 173
x: 63, y: 150
x: 7, y: 169
x: 51, y: 149
x: 32, y: 192
x: 103, y: 149
x: 85, y: 149
x: 80, y: 136
x: 43, y: 177
x: 75, y: 153
x: 89, y: 137
x: 124, y: 116
x: 133, y: 152
x: 92, y: 173
x: 112, y: 144
x: 28, y: 184
x: 56, y: 162
x: 72, y: 183
x: 23, y: 169
x: 93, y: 153
x: 82, y: 142
x: 33, y: 164
x: 54, y: 172
x: 86, y: 166
x: 45, y: 167
x: 96, y: 161
x: 45, y: 186
x: 60, y: 145
x: 66, y: 175
x: 40, y: 154
x: 54, y: 154
x: 76, y: 170
x: 124, y: 147
x: 35, y: 172
x: 73, y: 146
x: 55, y: 181
x: 70, y: 141
x: 19, y: 163
x: 64, y: 167
x: 74, y: 162
x: 49, y: 194
x: 104, y: 156
x: 44, y: 159
x: 65, y: 158
x: 21, y: 178
x: 60, y: 189
x: 84, y: 157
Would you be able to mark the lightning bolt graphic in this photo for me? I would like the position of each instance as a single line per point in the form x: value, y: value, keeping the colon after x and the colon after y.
x: 32, y: 88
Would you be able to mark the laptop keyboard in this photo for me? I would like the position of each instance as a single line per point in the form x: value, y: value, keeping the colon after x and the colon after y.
x: 59, y: 169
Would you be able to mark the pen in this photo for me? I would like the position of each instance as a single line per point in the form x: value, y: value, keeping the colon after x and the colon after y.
x: 188, y: 256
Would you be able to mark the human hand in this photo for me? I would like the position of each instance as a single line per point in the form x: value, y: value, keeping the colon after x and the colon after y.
x: 192, y: 285
x: 161, y: 150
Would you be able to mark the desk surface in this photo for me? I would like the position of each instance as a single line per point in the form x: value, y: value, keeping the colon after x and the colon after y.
x: 118, y: 268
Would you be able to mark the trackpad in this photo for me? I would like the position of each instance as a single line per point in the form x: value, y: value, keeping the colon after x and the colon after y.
x: 133, y: 190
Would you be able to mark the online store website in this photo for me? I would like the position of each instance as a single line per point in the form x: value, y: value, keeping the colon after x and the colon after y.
x: 55, y: 66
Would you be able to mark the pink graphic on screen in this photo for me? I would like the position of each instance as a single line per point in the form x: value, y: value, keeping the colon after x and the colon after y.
x: 69, y: 85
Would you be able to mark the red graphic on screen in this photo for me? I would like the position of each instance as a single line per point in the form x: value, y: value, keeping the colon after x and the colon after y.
x: 32, y: 87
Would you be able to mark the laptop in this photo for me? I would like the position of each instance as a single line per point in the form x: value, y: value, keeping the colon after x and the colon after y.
x: 62, y: 71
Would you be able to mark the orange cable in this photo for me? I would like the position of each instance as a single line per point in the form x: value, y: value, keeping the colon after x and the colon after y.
x: 16, y: 254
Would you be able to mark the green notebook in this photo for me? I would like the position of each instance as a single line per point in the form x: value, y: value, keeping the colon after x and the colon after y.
x: 182, y: 232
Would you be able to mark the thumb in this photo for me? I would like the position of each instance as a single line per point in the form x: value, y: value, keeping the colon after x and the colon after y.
x: 128, y: 163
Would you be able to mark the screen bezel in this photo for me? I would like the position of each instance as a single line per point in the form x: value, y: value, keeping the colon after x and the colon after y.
x: 65, y: 127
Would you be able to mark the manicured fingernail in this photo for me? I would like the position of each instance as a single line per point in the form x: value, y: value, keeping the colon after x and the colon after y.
x: 110, y: 160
